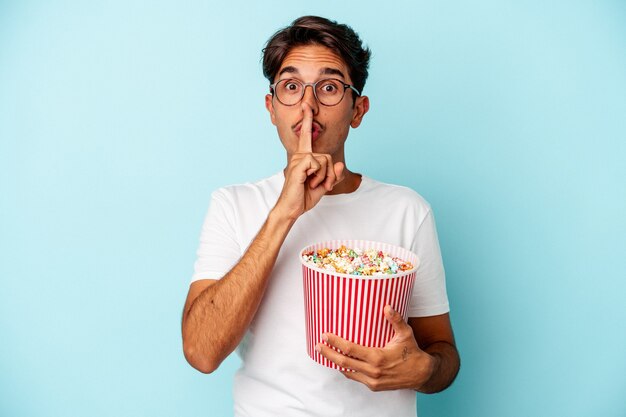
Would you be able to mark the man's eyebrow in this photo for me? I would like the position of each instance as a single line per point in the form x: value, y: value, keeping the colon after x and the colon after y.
x: 324, y: 71
x: 332, y: 71
x: 289, y: 69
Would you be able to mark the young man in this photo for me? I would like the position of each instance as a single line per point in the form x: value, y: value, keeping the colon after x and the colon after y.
x: 247, y: 287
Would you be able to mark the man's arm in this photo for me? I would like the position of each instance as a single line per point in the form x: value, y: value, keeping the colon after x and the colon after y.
x: 216, y: 318
x: 218, y: 313
x: 421, y: 356
x: 434, y: 336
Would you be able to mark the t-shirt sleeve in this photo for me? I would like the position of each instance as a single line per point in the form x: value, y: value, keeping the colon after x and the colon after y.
x: 429, y: 296
x: 219, y: 248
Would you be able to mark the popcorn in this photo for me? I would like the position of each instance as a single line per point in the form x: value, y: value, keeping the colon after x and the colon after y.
x: 355, y: 261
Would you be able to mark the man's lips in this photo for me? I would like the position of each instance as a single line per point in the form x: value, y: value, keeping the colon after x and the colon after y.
x: 316, y: 130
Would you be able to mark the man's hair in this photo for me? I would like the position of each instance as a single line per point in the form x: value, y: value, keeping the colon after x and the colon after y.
x: 315, y: 30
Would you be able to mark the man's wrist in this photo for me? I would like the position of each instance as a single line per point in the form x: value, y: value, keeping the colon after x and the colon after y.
x: 444, y: 366
x: 279, y: 218
x: 431, y: 368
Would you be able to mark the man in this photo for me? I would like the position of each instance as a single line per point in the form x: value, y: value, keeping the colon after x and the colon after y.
x: 247, y: 287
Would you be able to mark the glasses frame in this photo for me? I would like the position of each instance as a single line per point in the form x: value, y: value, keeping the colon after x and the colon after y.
x: 346, y: 86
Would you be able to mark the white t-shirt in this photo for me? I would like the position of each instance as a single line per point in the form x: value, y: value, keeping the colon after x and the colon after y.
x: 277, y: 377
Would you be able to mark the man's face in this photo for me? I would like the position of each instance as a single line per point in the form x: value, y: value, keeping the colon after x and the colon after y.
x: 331, y: 125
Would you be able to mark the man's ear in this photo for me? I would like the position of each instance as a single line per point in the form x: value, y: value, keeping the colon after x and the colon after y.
x: 269, y: 105
x: 361, y: 106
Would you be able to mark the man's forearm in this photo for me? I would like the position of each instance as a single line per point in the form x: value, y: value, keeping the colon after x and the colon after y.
x: 216, y: 321
x: 446, y: 367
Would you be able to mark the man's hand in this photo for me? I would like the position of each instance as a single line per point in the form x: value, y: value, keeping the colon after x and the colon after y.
x: 400, y: 364
x: 309, y: 175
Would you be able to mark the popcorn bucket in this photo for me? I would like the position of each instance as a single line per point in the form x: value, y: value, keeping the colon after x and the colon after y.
x: 351, y: 306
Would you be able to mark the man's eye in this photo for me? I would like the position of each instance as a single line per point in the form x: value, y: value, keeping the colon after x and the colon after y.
x: 329, y: 88
x: 291, y: 86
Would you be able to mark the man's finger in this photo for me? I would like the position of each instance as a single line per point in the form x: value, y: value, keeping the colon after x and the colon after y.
x: 311, y: 165
x: 304, y: 144
x: 331, y: 177
x: 343, y: 361
x: 362, y: 378
x: 347, y: 348
x: 397, y: 322
x: 320, y: 174
x: 338, y: 167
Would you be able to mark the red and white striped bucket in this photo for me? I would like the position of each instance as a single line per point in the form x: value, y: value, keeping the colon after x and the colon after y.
x: 351, y: 306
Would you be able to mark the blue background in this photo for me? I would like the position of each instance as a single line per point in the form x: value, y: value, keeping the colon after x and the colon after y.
x: 117, y: 120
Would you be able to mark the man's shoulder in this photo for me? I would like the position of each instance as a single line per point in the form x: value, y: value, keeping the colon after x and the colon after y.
x: 395, y: 193
x: 265, y: 186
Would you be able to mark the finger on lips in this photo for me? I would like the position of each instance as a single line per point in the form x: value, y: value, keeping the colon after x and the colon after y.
x: 324, y: 171
x: 304, y: 144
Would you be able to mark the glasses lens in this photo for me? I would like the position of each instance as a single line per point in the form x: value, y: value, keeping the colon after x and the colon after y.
x: 289, y: 91
x: 329, y: 92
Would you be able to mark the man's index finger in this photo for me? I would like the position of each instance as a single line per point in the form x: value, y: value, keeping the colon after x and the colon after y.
x: 304, y: 144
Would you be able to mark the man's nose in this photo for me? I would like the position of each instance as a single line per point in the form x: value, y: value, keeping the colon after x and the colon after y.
x: 309, y: 98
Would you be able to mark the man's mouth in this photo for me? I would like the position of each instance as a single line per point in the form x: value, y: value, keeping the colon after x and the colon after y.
x: 316, y: 130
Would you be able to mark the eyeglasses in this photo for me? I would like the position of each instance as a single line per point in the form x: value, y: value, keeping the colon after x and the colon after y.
x: 328, y: 92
